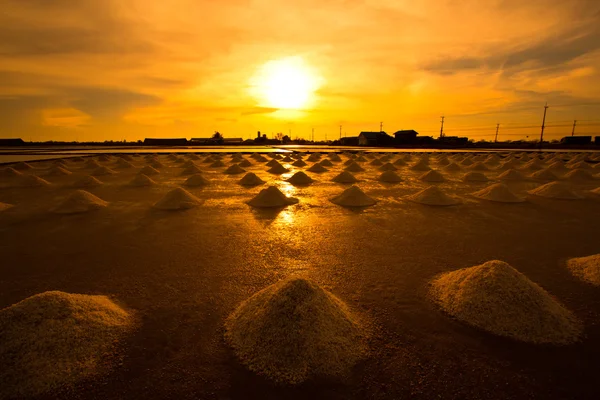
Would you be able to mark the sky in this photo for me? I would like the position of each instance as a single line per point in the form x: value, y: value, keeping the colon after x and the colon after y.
x: 130, y: 69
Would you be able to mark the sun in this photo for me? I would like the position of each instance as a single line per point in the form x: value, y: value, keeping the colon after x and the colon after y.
x: 287, y: 83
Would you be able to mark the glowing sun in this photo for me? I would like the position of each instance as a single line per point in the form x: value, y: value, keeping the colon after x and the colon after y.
x: 287, y: 83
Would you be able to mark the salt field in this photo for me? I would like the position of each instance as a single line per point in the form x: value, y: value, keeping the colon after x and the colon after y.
x: 204, y: 257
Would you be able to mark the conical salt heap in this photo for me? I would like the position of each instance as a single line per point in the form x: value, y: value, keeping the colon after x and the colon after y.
x: 452, y: 167
x: 534, y: 165
x: 318, y: 168
x: 148, y: 170
x: 272, y: 163
x: 251, y: 179
x: 102, y: 171
x: 586, y: 268
x: 579, y: 175
x: 544, y: 175
x: 58, y: 171
x: 31, y: 181
x: 299, y: 163
x: 193, y: 157
x: 271, y: 197
x: 287, y: 159
x: 580, y: 165
x: 478, y: 166
x: 334, y: 157
x: 507, y: 165
x: 388, y: 167
x: 557, y: 166
x: 433, y: 196
x: 432, y: 176
x: 157, y: 164
x: 295, y: 330
x: 196, y: 180
x: 91, y: 164
x: 217, y: 164
x: 475, y: 177
x: 353, y: 167
x: 260, y: 158
x: 177, y: 199
x: 400, y: 162
x: 189, y: 163
x: 326, y: 163
x: 191, y: 170
x: 55, y: 339
x: 421, y: 165
x: 4, y: 206
x: 300, y: 178
x: 22, y: 166
x: 79, y: 201
x: 87, y: 182
x: 345, y: 177
x: 353, y: 197
x: 390, y: 177
x: 498, y: 299
x: 123, y: 164
x: 556, y: 190
x: 141, y: 180
x: 466, y: 162
x: 512, y: 175
x: 498, y: 192
x: 234, y: 170
x: 278, y: 169
x: 10, y: 172
x: 245, y: 163
x: 376, y: 162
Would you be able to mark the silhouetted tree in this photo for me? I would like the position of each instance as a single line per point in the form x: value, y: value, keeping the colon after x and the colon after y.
x: 217, y: 136
x: 286, y: 139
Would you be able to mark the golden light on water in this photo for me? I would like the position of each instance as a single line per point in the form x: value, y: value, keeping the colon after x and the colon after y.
x: 287, y: 83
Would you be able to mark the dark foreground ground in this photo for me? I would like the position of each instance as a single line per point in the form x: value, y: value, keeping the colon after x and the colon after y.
x: 182, y: 273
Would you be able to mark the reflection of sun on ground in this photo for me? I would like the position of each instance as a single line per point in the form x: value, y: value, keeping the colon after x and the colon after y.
x: 287, y: 83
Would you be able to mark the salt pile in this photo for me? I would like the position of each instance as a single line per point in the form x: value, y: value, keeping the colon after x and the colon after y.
x: 295, y: 330
x: 376, y: 162
x: 579, y: 175
x: 251, y: 179
x: 122, y: 164
x: 102, y: 171
x: 287, y: 159
x: 432, y: 176
x: 4, y: 206
x: 353, y: 167
x: 595, y: 191
x: 260, y: 159
x: 191, y: 170
x: 87, y: 182
x: 91, y: 164
x: 442, y: 162
x: 360, y: 159
x: 498, y: 299
x: 56, y: 339
x: 188, y: 163
x: 157, y: 164
x: 278, y: 169
x: 31, y: 181
x: 511, y: 164
x: 334, y: 157
x: 326, y: 163
x: 353, y: 197
x: 193, y: 157
x: 534, y: 165
x: 245, y: 163
x: 388, y: 167
x: 555, y: 190
x: 580, y: 165
x: 272, y: 163
x: 103, y: 158
x: 421, y: 166
x: 22, y: 166
x: 466, y: 162
x: 345, y: 177
x: 586, y: 268
x: 544, y: 175
x: 390, y: 177
x: 498, y: 192
x: 141, y: 180
x: 313, y: 157
x: 10, y: 172
x: 452, y: 167
x: 300, y: 178
x: 271, y: 197
x: 148, y: 170
x: 299, y: 163
x: 217, y: 164
x: 79, y: 201
x: 317, y: 168
x: 196, y: 180
x: 58, y: 171
x: 400, y: 162
x: 512, y: 175
x: 125, y: 157
x: 234, y: 170
x: 177, y: 199
x: 475, y: 177
x: 433, y: 196
x: 478, y: 166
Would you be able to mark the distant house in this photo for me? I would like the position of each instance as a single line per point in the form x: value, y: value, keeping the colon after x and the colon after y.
x: 11, y: 142
x: 454, y: 140
x: 165, y: 142
x: 597, y: 140
x: 375, y: 139
x: 577, y: 140
x: 349, y: 141
x: 406, y: 136
x: 233, y: 140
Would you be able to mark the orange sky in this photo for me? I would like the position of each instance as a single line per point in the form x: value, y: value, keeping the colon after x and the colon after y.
x: 129, y: 69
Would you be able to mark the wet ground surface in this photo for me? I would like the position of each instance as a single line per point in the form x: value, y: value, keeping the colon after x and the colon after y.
x: 182, y: 273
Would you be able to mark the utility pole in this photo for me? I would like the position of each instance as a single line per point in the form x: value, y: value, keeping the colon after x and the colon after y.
x: 442, y: 128
x: 573, y: 131
x: 543, y: 125
x: 313, y: 135
x: 381, y: 126
x: 496, y: 138
x: 340, y: 131
x: 325, y: 136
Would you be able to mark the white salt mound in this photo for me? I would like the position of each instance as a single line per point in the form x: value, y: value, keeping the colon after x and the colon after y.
x: 217, y: 164
x: 234, y: 170
x: 177, y: 199
x: 56, y: 339
x: 251, y: 179
x: 326, y: 163
x: 149, y: 171
x: 345, y: 177
x: 498, y: 299
x: 31, y: 181
x: 478, y: 166
x: 272, y: 163
x: 91, y: 164
x: 87, y: 182
x: 512, y: 175
x: 300, y: 178
x: 191, y: 170
x: 58, y: 171
x: 353, y: 197
x: 9, y: 172
x: 579, y: 175
x: 295, y: 330
x: 318, y: 168
x: 79, y: 201
x: 586, y: 268
x: 157, y: 164
x: 376, y: 162
x: 353, y: 167
x: 4, y: 206
x: 432, y: 176
x: 102, y: 171
x: 498, y: 192
x: 122, y: 164
x: 475, y: 177
x: 22, y: 166
x: 278, y: 169
x: 452, y: 167
x: 245, y: 163
x: 388, y: 167
x: 420, y: 166
x: 271, y: 197
x: 544, y: 175
x: 299, y: 163
x: 141, y: 180
x: 433, y: 196
x: 390, y: 177
x: 556, y: 190
x: 196, y: 180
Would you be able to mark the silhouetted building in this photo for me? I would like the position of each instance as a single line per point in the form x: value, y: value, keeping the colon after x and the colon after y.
x: 349, y: 141
x: 375, y: 139
x: 576, y: 140
x: 233, y: 140
x: 12, y: 142
x: 597, y: 140
x: 202, y: 141
x: 406, y: 136
x: 454, y: 140
x: 165, y: 142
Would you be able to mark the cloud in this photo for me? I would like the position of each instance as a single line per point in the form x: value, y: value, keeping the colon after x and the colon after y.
x: 108, y: 103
